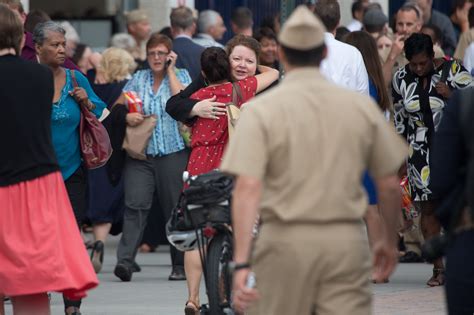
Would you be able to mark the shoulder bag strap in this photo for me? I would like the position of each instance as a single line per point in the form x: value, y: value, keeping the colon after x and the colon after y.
x: 236, y: 94
x: 73, y: 78
x: 445, y: 71
x: 425, y: 108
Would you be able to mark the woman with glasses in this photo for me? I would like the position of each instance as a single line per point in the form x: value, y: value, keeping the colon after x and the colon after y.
x: 166, y: 155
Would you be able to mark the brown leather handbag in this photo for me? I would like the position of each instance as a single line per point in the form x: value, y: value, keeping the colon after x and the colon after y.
x: 94, y: 139
x: 137, y: 137
x: 233, y: 109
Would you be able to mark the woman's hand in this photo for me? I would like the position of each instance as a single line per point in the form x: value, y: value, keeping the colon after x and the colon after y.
x: 80, y: 95
x: 134, y: 119
x: 443, y: 89
x: 172, y: 57
x: 209, y: 108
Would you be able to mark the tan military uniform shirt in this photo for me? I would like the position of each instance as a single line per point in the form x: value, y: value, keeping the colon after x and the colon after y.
x: 310, y: 142
x: 465, y: 40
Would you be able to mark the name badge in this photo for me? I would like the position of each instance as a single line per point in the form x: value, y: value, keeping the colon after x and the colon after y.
x: 421, y: 134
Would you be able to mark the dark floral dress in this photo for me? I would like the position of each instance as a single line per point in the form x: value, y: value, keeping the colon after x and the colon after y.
x: 411, y: 102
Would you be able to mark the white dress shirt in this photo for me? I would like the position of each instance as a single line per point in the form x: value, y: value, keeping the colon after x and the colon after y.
x: 344, y: 65
x: 354, y: 25
x: 469, y: 58
x: 206, y: 40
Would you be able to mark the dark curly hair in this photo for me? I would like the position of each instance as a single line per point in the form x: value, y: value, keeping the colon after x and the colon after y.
x: 215, y: 64
x: 418, y: 43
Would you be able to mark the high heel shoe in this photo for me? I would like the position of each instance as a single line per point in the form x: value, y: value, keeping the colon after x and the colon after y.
x: 97, y: 256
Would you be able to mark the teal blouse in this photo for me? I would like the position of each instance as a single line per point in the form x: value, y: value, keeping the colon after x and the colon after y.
x: 65, y: 124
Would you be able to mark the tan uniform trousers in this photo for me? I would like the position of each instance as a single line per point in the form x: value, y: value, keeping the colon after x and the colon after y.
x: 305, y: 269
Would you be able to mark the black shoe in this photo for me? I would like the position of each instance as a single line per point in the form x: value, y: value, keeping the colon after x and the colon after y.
x: 410, y: 257
x: 177, y: 274
x: 123, y: 272
x: 136, y: 267
x: 97, y: 256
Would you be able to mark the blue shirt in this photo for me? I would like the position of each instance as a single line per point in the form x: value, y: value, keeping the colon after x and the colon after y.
x: 166, y: 138
x: 65, y: 119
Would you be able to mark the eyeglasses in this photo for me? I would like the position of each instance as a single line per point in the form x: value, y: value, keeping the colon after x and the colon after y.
x: 160, y: 54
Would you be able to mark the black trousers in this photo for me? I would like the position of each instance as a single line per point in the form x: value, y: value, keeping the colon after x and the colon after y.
x: 460, y: 274
x: 76, y: 186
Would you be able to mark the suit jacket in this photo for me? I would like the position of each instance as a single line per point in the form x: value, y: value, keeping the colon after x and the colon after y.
x: 189, y: 55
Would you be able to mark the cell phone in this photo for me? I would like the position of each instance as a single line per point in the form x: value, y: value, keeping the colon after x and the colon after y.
x: 167, y: 64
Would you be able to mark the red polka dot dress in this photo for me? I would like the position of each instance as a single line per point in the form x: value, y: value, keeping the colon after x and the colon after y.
x: 209, y: 137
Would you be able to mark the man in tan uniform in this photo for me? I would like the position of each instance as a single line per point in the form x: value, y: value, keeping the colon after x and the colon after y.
x: 299, y: 152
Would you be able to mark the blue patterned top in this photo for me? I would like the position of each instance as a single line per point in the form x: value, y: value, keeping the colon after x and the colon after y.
x: 166, y: 138
x: 65, y: 119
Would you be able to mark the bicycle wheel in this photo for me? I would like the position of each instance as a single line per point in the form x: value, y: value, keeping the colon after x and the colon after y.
x: 219, y: 280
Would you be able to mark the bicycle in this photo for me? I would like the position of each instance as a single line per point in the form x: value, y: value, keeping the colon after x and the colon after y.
x: 204, y: 209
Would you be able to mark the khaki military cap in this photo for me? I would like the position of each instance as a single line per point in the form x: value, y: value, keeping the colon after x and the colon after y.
x: 136, y: 16
x: 302, y: 31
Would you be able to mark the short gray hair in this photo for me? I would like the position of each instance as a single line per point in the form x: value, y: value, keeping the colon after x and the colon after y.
x: 41, y: 30
x: 124, y: 41
x: 207, y: 19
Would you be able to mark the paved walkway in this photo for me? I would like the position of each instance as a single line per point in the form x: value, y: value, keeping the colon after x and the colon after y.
x: 150, y: 292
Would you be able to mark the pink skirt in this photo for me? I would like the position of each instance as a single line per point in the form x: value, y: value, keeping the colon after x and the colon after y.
x: 41, y: 249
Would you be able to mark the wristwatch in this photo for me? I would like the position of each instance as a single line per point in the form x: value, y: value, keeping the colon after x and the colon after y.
x: 237, y: 266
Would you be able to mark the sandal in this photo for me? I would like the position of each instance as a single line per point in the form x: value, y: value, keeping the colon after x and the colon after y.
x: 191, y: 308
x: 437, y: 279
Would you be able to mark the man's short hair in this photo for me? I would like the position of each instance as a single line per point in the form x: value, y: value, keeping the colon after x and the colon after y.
x: 357, y: 6
x: 33, y: 18
x: 14, y: 4
x: 304, y: 58
x: 242, y: 18
x: 207, y: 19
x: 11, y: 29
x: 329, y: 12
x: 407, y: 7
x: 182, y: 18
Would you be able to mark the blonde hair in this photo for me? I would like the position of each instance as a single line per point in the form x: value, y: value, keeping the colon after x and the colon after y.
x: 117, y: 64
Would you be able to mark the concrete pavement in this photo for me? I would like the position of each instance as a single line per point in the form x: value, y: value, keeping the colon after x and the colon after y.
x: 150, y: 292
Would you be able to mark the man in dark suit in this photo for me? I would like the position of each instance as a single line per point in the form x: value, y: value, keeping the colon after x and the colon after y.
x: 189, y: 53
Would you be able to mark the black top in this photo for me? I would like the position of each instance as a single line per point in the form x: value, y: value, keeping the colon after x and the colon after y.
x: 115, y: 124
x: 26, y: 95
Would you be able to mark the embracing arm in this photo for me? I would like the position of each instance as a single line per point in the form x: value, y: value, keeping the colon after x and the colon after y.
x: 180, y: 105
x: 266, y: 77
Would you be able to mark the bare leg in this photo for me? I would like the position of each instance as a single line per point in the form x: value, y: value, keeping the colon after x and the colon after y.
x: 101, y: 231
x: 430, y: 227
x: 37, y: 304
x: 193, y: 269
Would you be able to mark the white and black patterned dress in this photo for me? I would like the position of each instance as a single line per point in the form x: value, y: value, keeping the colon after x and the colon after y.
x: 411, y: 103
